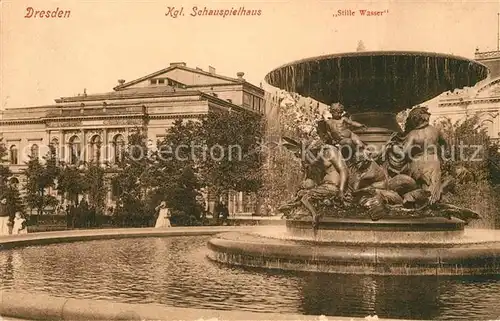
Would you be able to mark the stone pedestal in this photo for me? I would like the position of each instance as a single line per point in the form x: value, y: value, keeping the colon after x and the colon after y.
x: 381, y: 125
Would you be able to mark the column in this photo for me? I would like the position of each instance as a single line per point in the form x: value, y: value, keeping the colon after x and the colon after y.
x: 62, y: 146
x: 109, y: 195
x: 105, y: 156
x: 240, y: 202
x: 230, y: 202
x: 83, y: 156
x: 211, y: 200
x: 233, y: 203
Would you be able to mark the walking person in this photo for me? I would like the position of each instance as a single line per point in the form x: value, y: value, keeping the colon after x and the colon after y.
x: 4, y: 217
x: 163, y: 219
x: 20, y: 226
x: 69, y: 216
x: 217, y: 212
x: 224, y: 213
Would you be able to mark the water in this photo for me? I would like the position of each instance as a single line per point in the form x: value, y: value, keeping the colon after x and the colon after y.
x: 174, y: 271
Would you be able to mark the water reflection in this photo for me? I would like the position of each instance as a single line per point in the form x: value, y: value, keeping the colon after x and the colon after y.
x: 175, y: 272
x: 395, y: 297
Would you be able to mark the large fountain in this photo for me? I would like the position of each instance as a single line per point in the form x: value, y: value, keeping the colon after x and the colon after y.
x: 371, y: 212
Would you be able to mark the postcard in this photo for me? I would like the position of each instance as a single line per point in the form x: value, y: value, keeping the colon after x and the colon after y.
x: 249, y: 160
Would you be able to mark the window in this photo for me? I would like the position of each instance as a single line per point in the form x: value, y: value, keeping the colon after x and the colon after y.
x: 75, y: 150
x: 95, y: 148
x: 118, y: 147
x: 34, y: 151
x: 161, y: 81
x: 13, y: 155
x: 246, y: 100
x: 14, y: 182
x: 255, y: 104
x: 55, y: 144
x: 153, y: 81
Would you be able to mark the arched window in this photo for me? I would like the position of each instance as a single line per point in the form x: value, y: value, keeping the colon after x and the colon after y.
x: 14, y: 155
x: 95, y: 148
x: 34, y: 151
x: 55, y: 144
x: 75, y: 150
x: 118, y: 147
x: 14, y: 182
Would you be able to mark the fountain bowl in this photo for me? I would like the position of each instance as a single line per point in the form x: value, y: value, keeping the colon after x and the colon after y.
x: 377, y: 81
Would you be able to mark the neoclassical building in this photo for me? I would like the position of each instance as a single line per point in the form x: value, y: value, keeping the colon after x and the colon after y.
x: 482, y: 100
x: 95, y: 127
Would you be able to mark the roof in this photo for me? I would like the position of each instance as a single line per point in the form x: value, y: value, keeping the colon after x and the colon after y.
x: 162, y: 71
x: 146, y: 92
x: 182, y: 67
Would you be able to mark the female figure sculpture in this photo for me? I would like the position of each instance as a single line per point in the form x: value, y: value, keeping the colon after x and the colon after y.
x: 423, y: 146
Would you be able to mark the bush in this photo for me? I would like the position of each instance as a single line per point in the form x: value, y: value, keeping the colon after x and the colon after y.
x: 481, y: 197
x: 134, y: 214
x: 179, y: 218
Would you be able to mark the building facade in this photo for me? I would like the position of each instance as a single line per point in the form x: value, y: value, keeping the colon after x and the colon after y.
x: 482, y: 100
x: 95, y: 127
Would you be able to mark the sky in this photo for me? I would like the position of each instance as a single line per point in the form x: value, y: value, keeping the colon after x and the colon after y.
x: 103, y: 41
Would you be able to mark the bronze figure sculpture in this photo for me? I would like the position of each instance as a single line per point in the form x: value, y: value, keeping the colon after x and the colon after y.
x: 403, y: 180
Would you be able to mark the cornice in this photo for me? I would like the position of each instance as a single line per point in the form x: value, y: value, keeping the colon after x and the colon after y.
x: 96, y: 117
x: 136, y: 116
x: 213, y: 102
x: 124, y: 95
x: 470, y: 102
x: 177, y: 116
x: 10, y: 122
x: 487, y: 55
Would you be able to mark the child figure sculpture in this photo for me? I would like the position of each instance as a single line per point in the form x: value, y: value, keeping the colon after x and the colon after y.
x: 338, y: 128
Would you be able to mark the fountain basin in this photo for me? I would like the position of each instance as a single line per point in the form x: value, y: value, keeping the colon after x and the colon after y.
x: 447, y: 250
x: 64, y: 277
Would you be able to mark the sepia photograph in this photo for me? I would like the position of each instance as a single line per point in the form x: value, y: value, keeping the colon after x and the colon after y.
x: 283, y: 160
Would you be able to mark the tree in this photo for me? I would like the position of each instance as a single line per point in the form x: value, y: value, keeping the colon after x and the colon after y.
x: 70, y: 183
x: 283, y: 171
x: 176, y: 175
x: 473, y: 159
x: 132, y: 182
x: 14, y: 200
x: 232, y: 159
x: 95, y: 186
x: 39, y: 177
x: 7, y: 189
x: 222, y: 151
x: 470, y: 148
x: 5, y: 172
